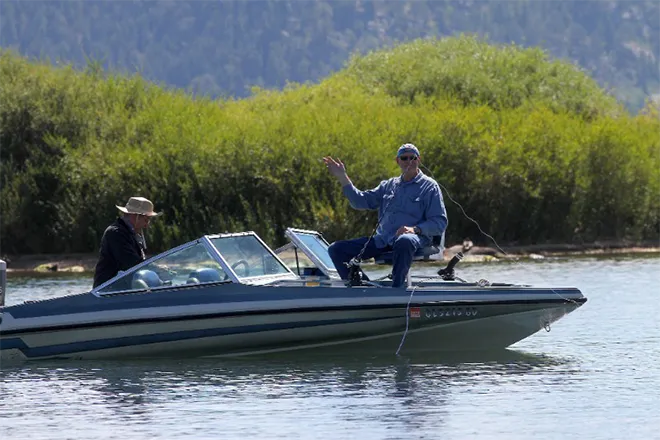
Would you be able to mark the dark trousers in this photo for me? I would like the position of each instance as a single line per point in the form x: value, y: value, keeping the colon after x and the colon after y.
x: 403, y: 250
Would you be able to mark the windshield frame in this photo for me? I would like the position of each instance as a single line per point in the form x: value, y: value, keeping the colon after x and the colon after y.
x: 258, y: 279
x: 232, y: 276
x: 96, y: 291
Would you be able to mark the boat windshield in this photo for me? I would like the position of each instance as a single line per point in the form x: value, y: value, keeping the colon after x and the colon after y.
x: 318, y: 247
x: 189, y: 265
x: 248, y: 256
x: 315, y: 248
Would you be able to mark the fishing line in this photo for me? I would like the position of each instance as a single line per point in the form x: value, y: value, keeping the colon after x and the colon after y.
x: 405, y: 332
x: 513, y: 258
x: 481, y: 283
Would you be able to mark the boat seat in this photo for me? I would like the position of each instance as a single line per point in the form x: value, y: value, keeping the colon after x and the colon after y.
x: 146, y: 279
x: 204, y: 275
x: 422, y: 254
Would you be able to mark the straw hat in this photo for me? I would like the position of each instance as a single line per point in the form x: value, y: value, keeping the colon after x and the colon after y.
x: 139, y: 205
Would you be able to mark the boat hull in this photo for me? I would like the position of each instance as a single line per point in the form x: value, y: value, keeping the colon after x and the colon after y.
x: 422, y: 326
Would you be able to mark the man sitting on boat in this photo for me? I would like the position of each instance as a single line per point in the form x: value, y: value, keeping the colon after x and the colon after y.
x: 411, y: 212
x: 123, y: 243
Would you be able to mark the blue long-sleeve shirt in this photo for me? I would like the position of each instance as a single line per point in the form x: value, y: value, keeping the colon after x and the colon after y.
x: 417, y: 202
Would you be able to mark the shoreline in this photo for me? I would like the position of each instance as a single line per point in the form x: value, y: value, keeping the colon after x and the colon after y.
x: 85, y: 263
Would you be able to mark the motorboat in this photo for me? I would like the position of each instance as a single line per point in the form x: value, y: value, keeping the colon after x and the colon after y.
x: 232, y: 295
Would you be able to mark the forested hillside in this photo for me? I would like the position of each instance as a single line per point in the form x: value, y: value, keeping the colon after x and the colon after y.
x: 224, y: 48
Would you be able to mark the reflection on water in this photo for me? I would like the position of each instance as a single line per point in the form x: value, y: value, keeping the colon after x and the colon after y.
x: 400, y: 391
x: 44, y: 286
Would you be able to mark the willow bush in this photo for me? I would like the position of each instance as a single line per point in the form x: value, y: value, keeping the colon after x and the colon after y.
x: 470, y: 71
x: 559, y: 166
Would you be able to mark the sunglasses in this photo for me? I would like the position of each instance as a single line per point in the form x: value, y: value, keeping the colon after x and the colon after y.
x: 407, y: 158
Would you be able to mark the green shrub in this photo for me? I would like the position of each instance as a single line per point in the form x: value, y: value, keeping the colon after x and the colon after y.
x: 572, y: 168
x: 472, y: 72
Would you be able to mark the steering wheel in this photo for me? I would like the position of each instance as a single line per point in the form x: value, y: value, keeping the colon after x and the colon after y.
x: 246, y: 267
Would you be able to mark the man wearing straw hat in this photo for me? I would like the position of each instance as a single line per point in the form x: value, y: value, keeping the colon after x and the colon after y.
x: 123, y: 243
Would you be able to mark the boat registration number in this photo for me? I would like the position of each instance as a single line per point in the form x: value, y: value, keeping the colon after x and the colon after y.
x: 442, y: 312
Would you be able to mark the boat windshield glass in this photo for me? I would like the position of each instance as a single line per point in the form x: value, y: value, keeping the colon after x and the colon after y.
x: 315, y: 248
x: 190, y: 265
x: 248, y: 257
x: 294, y: 259
x: 318, y: 246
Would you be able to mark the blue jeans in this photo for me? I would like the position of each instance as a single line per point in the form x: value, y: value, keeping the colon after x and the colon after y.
x: 403, y: 249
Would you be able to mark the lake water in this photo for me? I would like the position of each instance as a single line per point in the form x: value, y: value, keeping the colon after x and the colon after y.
x: 595, y: 375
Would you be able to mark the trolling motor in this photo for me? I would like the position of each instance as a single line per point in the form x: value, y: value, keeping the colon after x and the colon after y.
x: 447, y: 273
